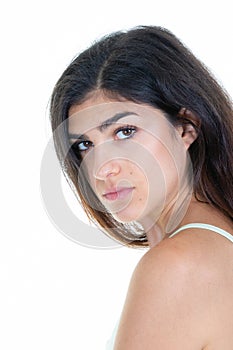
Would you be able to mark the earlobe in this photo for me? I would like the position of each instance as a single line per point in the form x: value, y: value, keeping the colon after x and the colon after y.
x: 189, y: 125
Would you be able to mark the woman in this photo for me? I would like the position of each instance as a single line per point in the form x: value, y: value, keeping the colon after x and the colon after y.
x: 144, y: 134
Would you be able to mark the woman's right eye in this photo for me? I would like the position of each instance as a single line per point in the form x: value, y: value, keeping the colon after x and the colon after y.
x: 83, y: 146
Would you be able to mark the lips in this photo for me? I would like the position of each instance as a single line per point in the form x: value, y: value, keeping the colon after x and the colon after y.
x: 119, y: 193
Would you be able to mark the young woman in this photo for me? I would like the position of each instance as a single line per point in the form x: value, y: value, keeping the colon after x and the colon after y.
x: 145, y: 135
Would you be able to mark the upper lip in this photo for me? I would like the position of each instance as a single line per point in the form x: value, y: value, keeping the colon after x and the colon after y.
x: 115, y: 190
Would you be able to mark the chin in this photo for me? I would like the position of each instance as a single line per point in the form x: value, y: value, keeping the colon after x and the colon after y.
x: 125, y: 216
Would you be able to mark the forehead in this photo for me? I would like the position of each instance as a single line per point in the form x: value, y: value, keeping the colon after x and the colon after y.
x: 82, y: 120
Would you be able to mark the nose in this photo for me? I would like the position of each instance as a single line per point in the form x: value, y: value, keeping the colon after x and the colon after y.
x: 110, y: 168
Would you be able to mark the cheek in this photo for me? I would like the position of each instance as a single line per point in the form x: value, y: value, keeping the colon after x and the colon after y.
x: 160, y: 181
x: 169, y: 168
x: 166, y: 161
x: 150, y: 186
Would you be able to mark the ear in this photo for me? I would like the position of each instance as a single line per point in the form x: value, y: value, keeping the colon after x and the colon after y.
x: 188, y: 126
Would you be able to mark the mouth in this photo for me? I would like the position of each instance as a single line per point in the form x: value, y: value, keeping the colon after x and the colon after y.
x: 120, y: 193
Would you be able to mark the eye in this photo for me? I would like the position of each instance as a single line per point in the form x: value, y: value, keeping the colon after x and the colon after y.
x: 125, y: 132
x: 82, y: 146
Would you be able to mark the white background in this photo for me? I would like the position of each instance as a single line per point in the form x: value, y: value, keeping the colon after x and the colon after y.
x: 56, y: 294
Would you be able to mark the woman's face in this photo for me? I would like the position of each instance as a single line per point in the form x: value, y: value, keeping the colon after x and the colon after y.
x: 134, y: 158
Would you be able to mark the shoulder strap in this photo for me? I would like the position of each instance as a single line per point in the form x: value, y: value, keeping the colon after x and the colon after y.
x: 206, y: 227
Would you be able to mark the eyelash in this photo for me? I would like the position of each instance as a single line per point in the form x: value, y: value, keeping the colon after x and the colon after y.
x: 121, y: 129
x: 126, y: 127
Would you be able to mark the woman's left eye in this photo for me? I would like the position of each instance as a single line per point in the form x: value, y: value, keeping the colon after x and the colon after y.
x: 125, y: 132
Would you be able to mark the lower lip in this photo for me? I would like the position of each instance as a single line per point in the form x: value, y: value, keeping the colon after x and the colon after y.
x: 122, y: 194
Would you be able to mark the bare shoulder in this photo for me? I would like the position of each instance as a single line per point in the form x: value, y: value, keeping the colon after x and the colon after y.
x: 180, y: 295
x: 190, y: 259
x: 165, y: 307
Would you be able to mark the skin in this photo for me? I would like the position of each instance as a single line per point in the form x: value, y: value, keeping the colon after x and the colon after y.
x: 149, y: 157
x: 180, y: 294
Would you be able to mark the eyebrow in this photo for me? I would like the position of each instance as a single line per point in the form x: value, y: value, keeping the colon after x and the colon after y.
x: 105, y: 124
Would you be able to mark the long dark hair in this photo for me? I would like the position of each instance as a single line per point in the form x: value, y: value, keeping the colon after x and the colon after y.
x: 149, y: 65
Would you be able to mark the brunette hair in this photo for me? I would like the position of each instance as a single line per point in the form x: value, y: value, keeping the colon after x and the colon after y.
x: 149, y: 65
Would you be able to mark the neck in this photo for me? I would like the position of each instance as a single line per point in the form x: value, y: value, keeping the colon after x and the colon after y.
x: 171, y: 219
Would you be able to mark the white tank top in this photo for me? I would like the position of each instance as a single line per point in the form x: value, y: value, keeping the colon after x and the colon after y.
x: 206, y: 227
